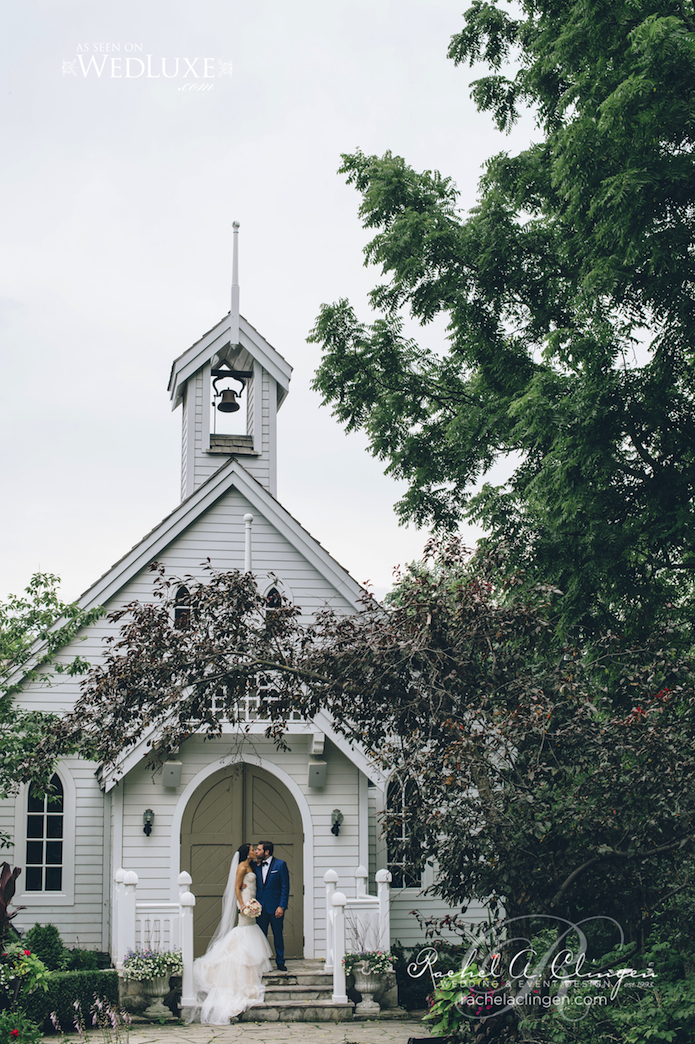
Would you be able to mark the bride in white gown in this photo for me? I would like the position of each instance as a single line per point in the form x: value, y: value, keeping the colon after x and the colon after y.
x: 229, y: 977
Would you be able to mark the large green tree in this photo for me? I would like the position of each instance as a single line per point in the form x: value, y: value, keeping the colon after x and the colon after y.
x: 549, y: 780
x: 569, y: 295
x: 34, y: 627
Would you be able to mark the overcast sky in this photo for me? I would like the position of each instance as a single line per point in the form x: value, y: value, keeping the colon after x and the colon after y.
x: 121, y: 176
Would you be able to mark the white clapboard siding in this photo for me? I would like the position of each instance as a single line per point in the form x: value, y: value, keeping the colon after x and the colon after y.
x: 405, y: 928
x: 81, y: 916
x: 373, y: 828
x: 185, y: 407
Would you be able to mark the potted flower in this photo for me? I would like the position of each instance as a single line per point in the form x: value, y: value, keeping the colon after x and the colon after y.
x: 368, y: 968
x: 153, y: 969
x: 21, y: 971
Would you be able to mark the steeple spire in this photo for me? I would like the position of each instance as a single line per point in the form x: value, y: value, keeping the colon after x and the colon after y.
x: 234, y: 313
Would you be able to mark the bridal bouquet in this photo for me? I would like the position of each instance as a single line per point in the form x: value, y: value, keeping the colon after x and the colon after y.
x: 252, y: 909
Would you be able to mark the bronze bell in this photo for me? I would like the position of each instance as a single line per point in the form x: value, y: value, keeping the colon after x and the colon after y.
x: 228, y: 403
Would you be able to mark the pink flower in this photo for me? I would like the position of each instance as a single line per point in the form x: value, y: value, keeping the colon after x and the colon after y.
x: 27, y: 953
x: 14, y: 1033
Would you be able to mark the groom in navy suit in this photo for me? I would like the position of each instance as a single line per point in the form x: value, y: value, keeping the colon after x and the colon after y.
x: 273, y: 893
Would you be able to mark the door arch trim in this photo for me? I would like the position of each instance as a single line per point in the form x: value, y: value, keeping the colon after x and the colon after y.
x: 307, y: 827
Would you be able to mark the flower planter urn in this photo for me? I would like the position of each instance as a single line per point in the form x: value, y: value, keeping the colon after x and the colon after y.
x: 367, y: 982
x: 156, y: 990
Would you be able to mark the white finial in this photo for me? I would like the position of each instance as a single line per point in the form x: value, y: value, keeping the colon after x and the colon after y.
x: 248, y: 522
x: 234, y: 314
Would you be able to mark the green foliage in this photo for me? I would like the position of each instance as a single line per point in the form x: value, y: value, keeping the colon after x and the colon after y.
x: 541, y: 778
x: 568, y: 294
x: 64, y: 989
x: 16, y: 1028
x: 82, y: 960
x: 34, y: 627
x: 45, y: 941
x: 414, y: 990
x: 21, y: 973
x: 462, y: 997
x: 665, y: 1011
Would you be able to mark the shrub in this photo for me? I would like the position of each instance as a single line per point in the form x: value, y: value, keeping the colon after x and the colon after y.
x: 16, y: 1028
x: 414, y: 992
x: 44, y: 940
x: 64, y: 989
x: 82, y: 960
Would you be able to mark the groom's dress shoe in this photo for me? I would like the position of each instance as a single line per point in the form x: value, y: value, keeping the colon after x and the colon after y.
x: 281, y: 966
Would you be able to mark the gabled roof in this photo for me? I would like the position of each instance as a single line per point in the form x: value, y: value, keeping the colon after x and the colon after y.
x: 231, y: 475
x: 108, y: 778
x: 216, y: 344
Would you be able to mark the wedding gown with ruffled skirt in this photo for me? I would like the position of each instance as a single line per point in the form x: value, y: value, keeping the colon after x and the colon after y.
x: 231, y: 972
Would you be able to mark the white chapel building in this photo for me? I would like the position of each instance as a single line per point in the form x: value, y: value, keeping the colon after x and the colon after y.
x: 218, y: 793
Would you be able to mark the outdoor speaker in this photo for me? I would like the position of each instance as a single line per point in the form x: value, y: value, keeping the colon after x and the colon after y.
x: 317, y: 774
x: 171, y: 774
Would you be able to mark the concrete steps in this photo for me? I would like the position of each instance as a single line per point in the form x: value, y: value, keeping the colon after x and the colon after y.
x: 301, y: 994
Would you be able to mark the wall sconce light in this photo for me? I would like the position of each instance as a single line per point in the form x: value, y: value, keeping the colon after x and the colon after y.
x: 147, y: 821
x: 337, y: 818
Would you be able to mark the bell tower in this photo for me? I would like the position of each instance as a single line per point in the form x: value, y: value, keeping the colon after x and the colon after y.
x: 230, y: 385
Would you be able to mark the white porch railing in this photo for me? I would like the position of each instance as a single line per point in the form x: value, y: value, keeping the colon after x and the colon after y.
x: 144, y: 925
x: 355, y: 924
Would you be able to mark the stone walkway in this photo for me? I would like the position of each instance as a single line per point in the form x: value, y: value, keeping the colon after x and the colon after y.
x: 357, y: 1032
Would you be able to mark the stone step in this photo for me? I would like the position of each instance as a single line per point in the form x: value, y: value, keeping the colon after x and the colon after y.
x: 290, y: 992
x: 298, y: 979
x: 301, y: 994
x: 298, y: 1011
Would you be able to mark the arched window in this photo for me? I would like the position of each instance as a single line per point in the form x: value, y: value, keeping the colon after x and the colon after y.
x: 182, y: 609
x: 45, y: 832
x: 275, y: 610
x: 401, y: 808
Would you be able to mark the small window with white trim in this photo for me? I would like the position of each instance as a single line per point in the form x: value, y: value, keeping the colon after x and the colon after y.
x: 45, y: 832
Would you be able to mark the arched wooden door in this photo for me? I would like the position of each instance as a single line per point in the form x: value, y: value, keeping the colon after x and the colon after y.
x: 238, y: 804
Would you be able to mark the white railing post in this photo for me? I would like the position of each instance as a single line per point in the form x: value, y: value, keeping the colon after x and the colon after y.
x: 383, y: 880
x: 188, y: 995
x: 130, y: 884
x: 184, y: 881
x: 361, y: 876
x: 330, y: 879
x: 338, y: 902
x: 118, y: 914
